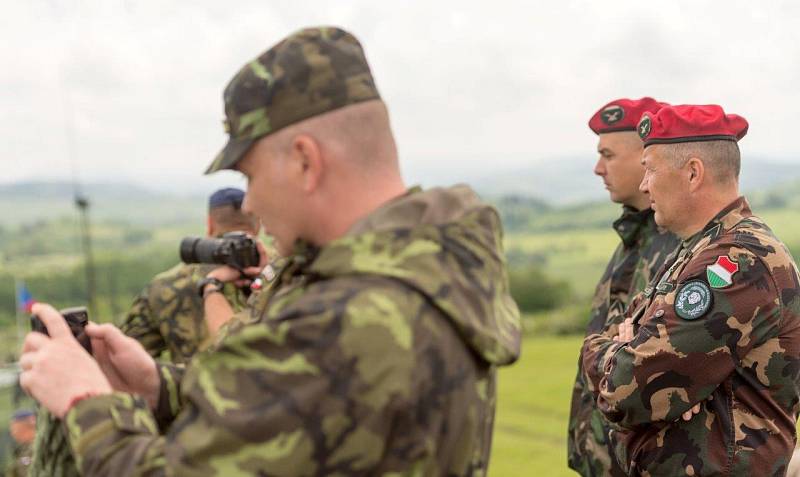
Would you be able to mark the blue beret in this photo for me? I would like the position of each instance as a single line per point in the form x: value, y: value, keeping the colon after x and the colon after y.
x: 227, y: 196
x: 22, y: 414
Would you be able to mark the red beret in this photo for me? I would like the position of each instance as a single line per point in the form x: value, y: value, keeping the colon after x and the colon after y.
x: 691, y: 123
x: 622, y: 114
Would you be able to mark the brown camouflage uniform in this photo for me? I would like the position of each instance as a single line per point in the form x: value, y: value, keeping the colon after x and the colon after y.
x: 374, y: 355
x: 641, y: 252
x: 733, y: 347
x: 168, y: 315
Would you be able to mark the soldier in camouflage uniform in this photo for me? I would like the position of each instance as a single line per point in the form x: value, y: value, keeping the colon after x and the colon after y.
x: 717, y: 333
x: 22, y: 429
x: 373, y: 352
x: 641, y: 252
x: 168, y: 316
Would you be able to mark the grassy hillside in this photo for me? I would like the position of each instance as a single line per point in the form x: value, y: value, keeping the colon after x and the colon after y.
x: 533, y: 408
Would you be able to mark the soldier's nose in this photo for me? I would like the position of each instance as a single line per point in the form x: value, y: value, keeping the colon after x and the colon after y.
x: 598, y: 168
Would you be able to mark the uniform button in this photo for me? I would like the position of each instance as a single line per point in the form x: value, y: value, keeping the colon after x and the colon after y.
x: 659, y: 313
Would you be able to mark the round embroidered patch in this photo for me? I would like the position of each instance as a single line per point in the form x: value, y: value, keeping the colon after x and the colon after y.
x: 693, y: 300
x: 612, y: 114
x: 644, y: 127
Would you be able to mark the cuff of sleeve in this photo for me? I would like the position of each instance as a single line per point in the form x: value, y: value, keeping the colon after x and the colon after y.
x: 93, y: 424
x: 169, y: 402
x: 598, y: 352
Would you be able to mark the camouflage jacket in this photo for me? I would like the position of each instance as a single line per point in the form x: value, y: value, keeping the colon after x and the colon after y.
x: 168, y: 314
x: 20, y: 461
x: 642, y: 251
x: 720, y: 327
x: 374, y: 355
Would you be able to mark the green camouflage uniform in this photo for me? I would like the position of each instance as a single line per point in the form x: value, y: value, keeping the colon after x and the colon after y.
x: 642, y: 251
x: 374, y: 355
x: 20, y: 461
x: 731, y: 344
x: 169, y: 316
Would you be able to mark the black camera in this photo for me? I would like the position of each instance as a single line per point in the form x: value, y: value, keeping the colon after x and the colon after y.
x: 234, y: 248
x: 77, y: 318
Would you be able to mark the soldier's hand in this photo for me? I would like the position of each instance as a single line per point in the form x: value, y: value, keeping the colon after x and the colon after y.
x: 245, y: 278
x: 625, y: 331
x: 687, y: 416
x: 124, y: 361
x: 56, y: 370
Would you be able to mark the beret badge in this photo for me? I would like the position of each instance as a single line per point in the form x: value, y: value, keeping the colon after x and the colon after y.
x: 612, y: 114
x: 644, y: 127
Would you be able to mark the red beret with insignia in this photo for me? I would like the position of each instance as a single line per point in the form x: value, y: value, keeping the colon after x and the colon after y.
x: 622, y: 114
x: 690, y: 123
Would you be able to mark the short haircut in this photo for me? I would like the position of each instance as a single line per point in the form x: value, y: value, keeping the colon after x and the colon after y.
x: 361, y: 130
x: 721, y: 158
x: 229, y: 218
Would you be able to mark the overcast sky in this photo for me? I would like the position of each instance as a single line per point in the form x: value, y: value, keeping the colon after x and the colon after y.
x: 132, y: 89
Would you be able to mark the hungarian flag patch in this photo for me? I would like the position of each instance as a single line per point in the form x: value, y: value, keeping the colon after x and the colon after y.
x: 720, y: 274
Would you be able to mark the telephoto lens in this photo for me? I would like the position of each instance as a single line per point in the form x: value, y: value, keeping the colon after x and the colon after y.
x: 234, y: 248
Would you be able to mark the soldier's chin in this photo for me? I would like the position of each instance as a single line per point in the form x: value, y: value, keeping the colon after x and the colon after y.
x: 279, y: 246
x: 658, y: 217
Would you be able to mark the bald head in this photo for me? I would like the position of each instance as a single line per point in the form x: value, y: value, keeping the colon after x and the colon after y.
x: 721, y: 159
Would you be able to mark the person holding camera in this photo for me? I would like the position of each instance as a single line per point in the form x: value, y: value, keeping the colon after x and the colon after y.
x: 373, y: 352
x: 168, y: 316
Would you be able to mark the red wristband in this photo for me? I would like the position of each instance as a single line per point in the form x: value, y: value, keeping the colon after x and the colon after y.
x: 79, y: 398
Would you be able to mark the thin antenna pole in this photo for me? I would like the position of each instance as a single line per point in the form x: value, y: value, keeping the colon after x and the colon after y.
x: 81, y: 201
x: 86, y: 242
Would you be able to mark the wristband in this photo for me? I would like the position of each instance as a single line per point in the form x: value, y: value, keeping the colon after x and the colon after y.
x: 201, y: 286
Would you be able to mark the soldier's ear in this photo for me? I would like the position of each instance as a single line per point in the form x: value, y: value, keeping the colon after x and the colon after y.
x: 209, y: 226
x: 307, y: 162
x: 696, y: 172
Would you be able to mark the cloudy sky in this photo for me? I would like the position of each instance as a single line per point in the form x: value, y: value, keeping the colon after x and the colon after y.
x: 129, y: 90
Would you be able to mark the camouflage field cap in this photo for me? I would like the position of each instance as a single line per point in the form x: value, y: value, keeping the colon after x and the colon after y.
x: 310, y: 72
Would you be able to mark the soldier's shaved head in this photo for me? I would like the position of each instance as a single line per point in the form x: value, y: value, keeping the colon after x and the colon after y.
x: 360, y: 134
x: 721, y: 158
x: 227, y: 218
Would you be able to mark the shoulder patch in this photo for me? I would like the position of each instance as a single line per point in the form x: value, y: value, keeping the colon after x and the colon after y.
x: 720, y: 274
x: 693, y: 300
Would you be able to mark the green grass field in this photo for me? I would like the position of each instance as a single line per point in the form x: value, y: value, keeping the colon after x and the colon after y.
x: 533, y: 408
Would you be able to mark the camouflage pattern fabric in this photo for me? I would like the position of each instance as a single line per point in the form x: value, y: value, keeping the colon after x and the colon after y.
x: 311, y: 72
x: 52, y: 456
x: 374, y: 355
x: 641, y: 253
x: 167, y: 318
x: 168, y: 315
x: 731, y: 344
x: 20, y: 461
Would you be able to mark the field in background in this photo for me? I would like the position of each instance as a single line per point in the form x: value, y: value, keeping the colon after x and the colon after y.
x: 135, y: 239
x: 533, y: 408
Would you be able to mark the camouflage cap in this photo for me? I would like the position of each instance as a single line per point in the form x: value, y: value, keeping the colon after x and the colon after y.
x: 312, y: 71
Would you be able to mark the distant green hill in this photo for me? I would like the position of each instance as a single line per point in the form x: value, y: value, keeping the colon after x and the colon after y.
x: 29, y: 202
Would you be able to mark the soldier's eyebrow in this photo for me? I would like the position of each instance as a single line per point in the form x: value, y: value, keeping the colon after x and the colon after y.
x: 604, y: 150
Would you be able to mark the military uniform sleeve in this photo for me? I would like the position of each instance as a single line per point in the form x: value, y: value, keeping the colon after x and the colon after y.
x: 690, y: 340
x: 140, y: 325
x: 312, y: 391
